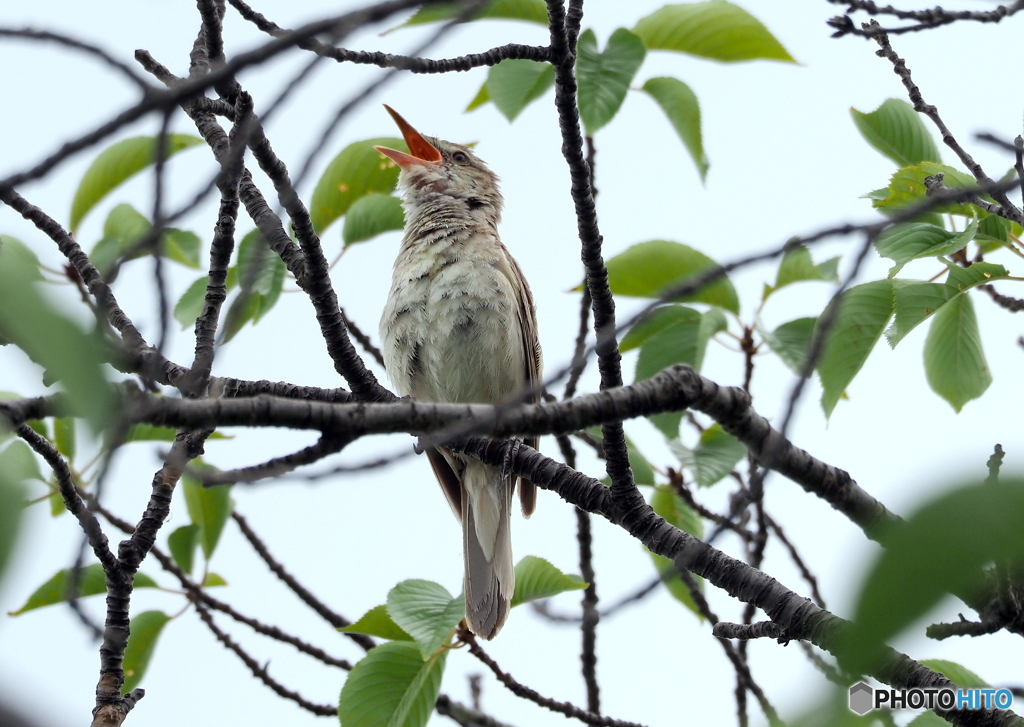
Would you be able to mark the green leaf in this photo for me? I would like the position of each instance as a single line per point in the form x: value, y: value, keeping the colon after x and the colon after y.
x: 182, y: 544
x: 678, y: 342
x: 392, y: 686
x: 531, y: 11
x: 940, y: 549
x: 514, y: 83
x: 481, y: 98
x: 261, y: 274
x: 714, y: 457
x: 14, y: 252
x: 377, y: 622
x: 372, y: 215
x: 357, y: 171
x: 896, y: 130
x: 150, y: 433
x: 717, y: 29
x: 91, y: 582
x: 18, y: 464
x: 427, y: 612
x: 674, y: 509
x: 914, y: 301
x: 681, y: 107
x: 643, y: 473
x: 604, y: 78
x: 953, y: 359
x: 797, y: 266
x: 536, y: 578
x: 12, y: 504
x: 190, y: 306
x: 145, y: 630
x: 791, y: 341
x: 959, y: 675
x: 907, y: 188
x: 55, y: 342
x: 993, y: 233
x: 117, y: 163
x: 125, y: 227
x: 648, y: 269
x: 913, y: 240
x: 64, y: 436
x: 212, y: 580
x: 181, y: 246
x: 209, y: 508
x: 864, y: 311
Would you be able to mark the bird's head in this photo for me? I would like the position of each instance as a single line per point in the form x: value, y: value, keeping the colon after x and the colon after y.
x: 434, y: 167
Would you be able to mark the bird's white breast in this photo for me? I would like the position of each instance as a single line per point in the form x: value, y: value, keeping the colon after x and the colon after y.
x: 451, y: 330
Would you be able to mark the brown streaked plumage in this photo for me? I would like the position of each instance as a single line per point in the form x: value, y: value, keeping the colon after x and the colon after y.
x: 460, y: 326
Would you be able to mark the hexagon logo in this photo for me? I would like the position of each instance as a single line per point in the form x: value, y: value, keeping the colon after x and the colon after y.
x: 861, y: 697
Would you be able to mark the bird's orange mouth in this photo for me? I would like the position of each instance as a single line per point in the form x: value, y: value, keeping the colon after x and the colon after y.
x: 421, y: 151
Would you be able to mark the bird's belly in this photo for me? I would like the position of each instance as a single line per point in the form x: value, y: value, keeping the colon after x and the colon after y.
x: 454, y: 335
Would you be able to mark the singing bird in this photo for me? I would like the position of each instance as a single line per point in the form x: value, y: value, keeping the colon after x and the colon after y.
x: 460, y: 327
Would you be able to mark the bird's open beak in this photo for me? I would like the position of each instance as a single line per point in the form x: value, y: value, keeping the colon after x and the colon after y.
x: 421, y: 151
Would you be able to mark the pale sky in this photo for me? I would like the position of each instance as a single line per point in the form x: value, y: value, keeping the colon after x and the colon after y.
x: 786, y: 159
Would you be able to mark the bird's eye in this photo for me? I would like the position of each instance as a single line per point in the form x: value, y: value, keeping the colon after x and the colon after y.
x: 460, y: 157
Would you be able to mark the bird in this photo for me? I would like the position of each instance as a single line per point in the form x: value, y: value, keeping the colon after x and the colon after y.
x: 460, y: 326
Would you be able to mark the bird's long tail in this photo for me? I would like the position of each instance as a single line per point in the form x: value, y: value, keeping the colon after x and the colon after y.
x: 487, y: 547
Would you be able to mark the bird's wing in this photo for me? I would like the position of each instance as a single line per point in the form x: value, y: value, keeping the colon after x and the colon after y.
x: 533, y: 363
x: 447, y: 470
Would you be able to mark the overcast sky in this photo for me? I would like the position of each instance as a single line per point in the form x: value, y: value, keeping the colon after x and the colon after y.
x: 785, y: 158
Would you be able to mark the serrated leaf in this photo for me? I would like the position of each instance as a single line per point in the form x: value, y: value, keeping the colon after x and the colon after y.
x: 91, y: 582
x: 913, y: 301
x: 16, y: 253
x: 864, y: 312
x: 190, y: 305
x: 954, y: 361
x: 209, y: 508
x: 959, y: 675
x: 681, y: 107
x: 372, y: 215
x: 648, y: 269
x: 531, y: 11
x: 182, y: 544
x: 392, y: 686
x: 717, y: 29
x: 907, y: 187
x: 714, y: 457
x: 536, y: 578
x: 913, y: 240
x: 940, y: 549
x: 116, y: 164
x: 993, y: 233
x: 377, y: 622
x: 896, y: 130
x: 604, y: 78
x: 514, y: 83
x: 55, y: 342
x: 145, y: 630
x: 482, y: 97
x: 791, y: 341
x: 358, y: 170
x: 427, y: 612
x: 125, y: 227
x: 677, y: 342
x: 963, y: 279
